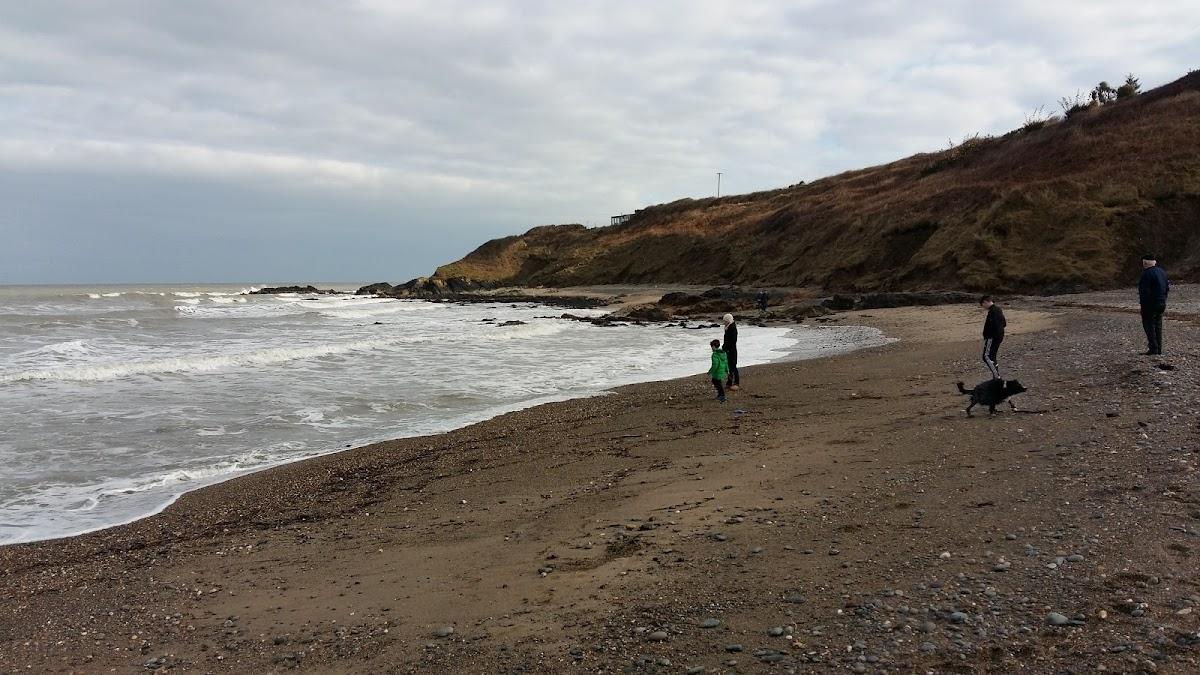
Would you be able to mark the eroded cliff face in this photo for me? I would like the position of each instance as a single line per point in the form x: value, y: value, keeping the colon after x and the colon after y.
x: 1069, y: 206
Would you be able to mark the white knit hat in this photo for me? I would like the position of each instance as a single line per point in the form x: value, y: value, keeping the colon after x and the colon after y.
x: 727, y: 319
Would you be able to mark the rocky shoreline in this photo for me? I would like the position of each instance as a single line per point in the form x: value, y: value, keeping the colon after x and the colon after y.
x: 785, y: 304
x: 837, y: 515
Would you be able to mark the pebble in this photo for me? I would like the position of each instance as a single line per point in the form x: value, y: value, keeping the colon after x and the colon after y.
x: 1075, y: 558
x: 1056, y: 619
x: 710, y: 623
x: 734, y: 648
x: 696, y: 670
x: 444, y: 631
x: 959, y: 617
x: 775, y: 631
x: 657, y: 636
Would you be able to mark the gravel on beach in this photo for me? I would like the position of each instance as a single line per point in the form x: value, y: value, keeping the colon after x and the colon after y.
x: 840, y: 515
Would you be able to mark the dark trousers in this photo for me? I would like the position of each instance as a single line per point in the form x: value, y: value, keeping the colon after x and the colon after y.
x: 733, y: 377
x: 720, y: 389
x: 1152, y: 319
x: 991, y: 352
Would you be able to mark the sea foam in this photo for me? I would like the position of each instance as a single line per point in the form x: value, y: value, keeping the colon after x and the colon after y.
x: 197, y: 364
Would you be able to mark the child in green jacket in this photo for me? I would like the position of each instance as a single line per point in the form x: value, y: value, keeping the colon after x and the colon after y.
x: 719, y: 369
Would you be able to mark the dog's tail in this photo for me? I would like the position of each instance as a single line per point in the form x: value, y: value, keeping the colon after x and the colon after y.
x: 963, y: 390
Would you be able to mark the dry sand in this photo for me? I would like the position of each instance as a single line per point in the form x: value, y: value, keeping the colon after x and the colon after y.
x: 835, y: 515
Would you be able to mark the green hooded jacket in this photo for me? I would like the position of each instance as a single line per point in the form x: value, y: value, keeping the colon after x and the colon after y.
x: 720, y: 365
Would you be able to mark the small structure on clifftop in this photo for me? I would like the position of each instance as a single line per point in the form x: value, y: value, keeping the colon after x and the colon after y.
x: 617, y: 220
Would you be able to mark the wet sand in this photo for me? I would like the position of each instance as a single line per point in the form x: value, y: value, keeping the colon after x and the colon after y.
x: 847, y: 502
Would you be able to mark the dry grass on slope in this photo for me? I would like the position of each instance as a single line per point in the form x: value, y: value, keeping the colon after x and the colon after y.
x: 1067, y: 206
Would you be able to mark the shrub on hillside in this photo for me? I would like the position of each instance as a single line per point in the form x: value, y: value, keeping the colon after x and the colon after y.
x: 1073, y: 105
x: 955, y: 154
x: 1130, y: 89
x: 1103, y: 94
x: 1037, y: 119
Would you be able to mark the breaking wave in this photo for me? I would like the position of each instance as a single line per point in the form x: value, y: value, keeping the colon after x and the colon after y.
x: 197, y: 364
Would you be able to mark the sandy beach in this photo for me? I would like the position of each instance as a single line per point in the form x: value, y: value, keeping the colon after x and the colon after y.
x: 836, y: 515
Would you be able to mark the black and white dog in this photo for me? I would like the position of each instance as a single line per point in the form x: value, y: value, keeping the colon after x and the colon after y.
x: 991, y: 393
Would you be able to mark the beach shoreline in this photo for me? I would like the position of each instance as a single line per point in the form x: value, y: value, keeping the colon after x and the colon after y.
x: 569, y: 535
x: 851, y: 341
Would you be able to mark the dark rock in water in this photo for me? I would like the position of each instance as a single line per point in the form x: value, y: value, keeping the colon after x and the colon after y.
x: 646, y: 313
x: 378, y: 288
x: 512, y: 322
x: 719, y: 300
x: 678, y: 299
x: 293, y: 289
x: 461, y: 289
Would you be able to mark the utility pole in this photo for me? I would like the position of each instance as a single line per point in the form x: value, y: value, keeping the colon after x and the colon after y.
x: 718, y: 184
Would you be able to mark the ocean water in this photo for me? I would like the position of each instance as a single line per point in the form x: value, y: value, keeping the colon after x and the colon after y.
x: 116, y: 400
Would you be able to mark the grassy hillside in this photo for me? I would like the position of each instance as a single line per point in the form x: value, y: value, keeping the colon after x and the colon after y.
x: 1067, y: 206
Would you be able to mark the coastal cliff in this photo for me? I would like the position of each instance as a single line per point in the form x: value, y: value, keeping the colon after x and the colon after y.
x: 1055, y: 206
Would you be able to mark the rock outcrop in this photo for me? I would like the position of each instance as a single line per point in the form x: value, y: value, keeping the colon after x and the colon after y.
x: 308, y: 290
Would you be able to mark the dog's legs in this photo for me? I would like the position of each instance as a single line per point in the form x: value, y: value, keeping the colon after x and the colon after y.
x: 1012, y: 405
x: 991, y: 409
x: 969, y: 409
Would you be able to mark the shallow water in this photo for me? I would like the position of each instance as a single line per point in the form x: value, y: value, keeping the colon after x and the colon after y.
x: 114, y: 401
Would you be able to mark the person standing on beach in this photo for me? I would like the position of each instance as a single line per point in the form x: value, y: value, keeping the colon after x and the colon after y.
x: 719, y: 368
x: 733, y: 382
x: 1152, y: 296
x: 993, y: 334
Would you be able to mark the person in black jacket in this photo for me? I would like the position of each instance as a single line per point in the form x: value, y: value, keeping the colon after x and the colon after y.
x: 993, y: 334
x: 1152, y: 295
x: 733, y: 381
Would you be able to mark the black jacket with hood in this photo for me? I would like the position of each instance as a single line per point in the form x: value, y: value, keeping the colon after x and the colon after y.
x: 993, y: 327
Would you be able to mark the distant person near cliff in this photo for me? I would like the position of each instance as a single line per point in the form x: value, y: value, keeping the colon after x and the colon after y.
x: 1152, y: 296
x: 993, y: 334
x: 760, y: 300
x: 719, y: 368
x: 733, y: 382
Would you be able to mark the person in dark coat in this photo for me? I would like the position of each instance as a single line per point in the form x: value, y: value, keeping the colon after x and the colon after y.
x: 1153, y: 288
x: 733, y: 381
x: 993, y: 334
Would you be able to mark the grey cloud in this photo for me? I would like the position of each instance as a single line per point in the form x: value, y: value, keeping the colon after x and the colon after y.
x: 487, y: 118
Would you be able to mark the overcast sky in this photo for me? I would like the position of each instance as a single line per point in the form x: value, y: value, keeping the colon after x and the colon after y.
x: 264, y: 140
